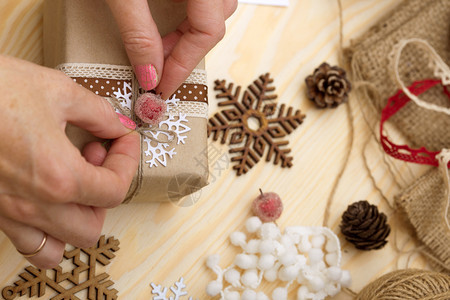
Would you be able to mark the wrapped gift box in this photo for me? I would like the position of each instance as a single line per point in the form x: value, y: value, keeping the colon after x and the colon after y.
x: 82, y: 40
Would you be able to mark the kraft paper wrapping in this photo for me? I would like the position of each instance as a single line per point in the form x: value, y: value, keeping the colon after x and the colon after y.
x: 82, y: 40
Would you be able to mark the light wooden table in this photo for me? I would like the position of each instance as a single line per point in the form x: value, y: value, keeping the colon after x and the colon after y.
x: 162, y: 242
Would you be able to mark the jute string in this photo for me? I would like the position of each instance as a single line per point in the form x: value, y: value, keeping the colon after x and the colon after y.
x: 408, y: 284
x: 145, y: 132
x: 439, y: 67
x: 362, y: 86
x: 351, y: 135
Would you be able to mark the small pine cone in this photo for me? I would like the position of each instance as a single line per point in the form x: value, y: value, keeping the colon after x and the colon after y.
x: 328, y: 86
x: 364, y: 226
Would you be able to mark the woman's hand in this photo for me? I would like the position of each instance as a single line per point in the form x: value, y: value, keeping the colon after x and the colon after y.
x: 46, y: 184
x: 166, y: 62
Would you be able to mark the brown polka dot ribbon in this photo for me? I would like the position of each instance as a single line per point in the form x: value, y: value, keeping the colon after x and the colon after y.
x: 107, y: 87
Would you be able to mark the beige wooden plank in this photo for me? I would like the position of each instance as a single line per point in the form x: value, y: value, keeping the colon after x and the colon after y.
x: 162, y: 242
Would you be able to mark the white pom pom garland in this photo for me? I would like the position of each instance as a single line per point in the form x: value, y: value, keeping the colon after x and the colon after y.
x: 246, y: 261
x: 238, y: 238
x: 332, y: 289
x: 303, y: 293
x: 214, y: 288
x: 269, y: 231
x: 280, y: 293
x: 288, y: 258
x: 334, y: 273
x: 233, y: 277
x: 266, y: 261
x: 332, y: 259
x: 249, y: 295
x: 232, y: 295
x: 307, y: 256
x: 212, y: 261
x: 250, y: 278
x: 253, y: 224
x: 261, y: 296
x: 252, y: 246
x: 316, y: 283
x: 271, y: 274
x: 315, y: 256
x: 266, y: 246
x: 317, y: 241
x: 304, y: 245
x: 288, y: 273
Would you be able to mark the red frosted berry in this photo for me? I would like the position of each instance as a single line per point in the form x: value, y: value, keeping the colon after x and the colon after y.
x: 150, y: 108
x: 267, y: 206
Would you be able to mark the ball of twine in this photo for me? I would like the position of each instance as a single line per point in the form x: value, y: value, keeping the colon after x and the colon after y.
x: 408, y: 284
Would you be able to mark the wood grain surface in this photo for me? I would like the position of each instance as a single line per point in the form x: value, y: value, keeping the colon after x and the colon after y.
x: 162, y: 242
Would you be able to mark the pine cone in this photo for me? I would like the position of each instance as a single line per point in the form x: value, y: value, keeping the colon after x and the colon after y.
x: 364, y: 226
x: 328, y: 86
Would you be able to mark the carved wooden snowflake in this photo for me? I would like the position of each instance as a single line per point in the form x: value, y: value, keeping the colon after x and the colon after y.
x: 34, y: 282
x: 253, y: 141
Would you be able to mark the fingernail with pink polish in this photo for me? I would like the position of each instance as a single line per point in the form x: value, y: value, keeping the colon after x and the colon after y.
x: 147, y: 76
x: 127, y: 122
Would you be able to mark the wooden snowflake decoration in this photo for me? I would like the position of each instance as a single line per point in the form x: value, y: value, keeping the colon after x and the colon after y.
x: 33, y: 282
x: 273, y: 124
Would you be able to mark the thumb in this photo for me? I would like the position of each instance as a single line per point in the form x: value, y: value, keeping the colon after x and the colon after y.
x: 141, y: 39
x: 94, y: 114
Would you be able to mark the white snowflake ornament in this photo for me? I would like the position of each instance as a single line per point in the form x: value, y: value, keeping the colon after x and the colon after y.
x: 177, y: 291
x: 172, y: 102
x: 178, y: 126
x: 307, y: 256
x: 160, y: 152
x: 124, y: 95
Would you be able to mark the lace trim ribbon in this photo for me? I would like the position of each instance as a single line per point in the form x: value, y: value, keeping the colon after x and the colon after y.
x: 439, y: 67
x: 119, y: 72
x: 394, y: 104
x: 405, y: 94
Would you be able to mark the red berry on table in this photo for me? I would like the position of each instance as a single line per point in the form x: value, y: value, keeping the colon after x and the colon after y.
x: 267, y: 206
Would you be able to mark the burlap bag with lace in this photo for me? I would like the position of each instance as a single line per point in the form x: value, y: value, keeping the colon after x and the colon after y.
x: 368, y: 57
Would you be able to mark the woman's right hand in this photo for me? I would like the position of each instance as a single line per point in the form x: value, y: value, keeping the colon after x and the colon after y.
x: 165, y: 63
x: 46, y: 184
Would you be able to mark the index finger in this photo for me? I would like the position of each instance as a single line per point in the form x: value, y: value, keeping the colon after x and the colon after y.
x: 207, y: 27
x: 141, y: 39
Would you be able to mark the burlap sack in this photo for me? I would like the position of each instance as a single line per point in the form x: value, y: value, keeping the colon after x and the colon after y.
x: 424, y: 202
x: 368, y: 56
